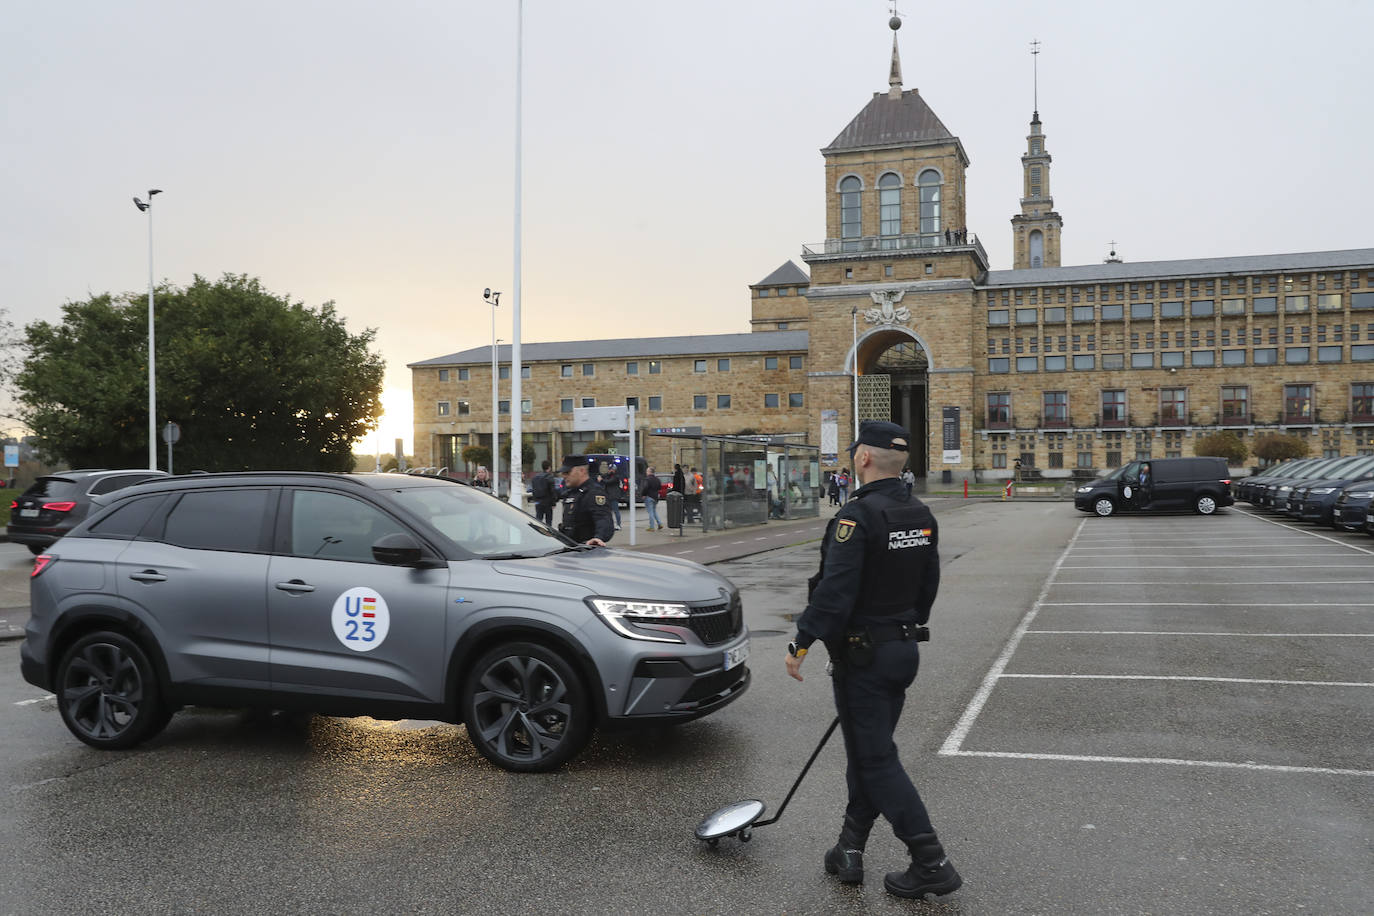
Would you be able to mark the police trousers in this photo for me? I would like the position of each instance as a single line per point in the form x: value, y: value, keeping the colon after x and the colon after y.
x: 869, y: 702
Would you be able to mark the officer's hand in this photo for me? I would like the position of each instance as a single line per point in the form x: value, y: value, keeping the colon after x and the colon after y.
x: 794, y: 666
x: 595, y: 542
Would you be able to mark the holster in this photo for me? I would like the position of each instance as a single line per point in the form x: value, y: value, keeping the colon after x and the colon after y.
x: 858, y: 648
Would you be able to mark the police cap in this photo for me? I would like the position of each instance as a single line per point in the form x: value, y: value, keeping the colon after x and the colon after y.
x: 572, y: 461
x: 881, y: 434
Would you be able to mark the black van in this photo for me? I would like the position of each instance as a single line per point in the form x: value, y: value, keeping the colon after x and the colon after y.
x: 1200, y: 484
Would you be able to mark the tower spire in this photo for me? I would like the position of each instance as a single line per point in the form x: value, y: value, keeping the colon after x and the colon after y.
x: 1035, y: 77
x: 894, y: 76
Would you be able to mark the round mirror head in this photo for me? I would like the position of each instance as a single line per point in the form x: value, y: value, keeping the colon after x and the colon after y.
x: 730, y: 819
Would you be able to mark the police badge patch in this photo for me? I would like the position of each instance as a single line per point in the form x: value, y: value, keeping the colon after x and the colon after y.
x: 844, y: 529
x: 600, y: 500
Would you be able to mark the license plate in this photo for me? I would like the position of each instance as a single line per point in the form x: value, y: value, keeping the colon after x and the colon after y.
x: 736, y: 655
x: 28, y: 513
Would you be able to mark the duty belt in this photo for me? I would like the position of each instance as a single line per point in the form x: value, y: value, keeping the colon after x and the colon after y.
x: 887, y: 632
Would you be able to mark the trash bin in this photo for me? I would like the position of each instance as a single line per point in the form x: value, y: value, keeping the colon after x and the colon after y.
x: 674, y: 509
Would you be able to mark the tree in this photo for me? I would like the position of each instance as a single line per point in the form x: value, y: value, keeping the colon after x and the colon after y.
x: 477, y: 454
x: 1224, y: 444
x: 1275, y: 447
x: 254, y: 380
x: 600, y: 446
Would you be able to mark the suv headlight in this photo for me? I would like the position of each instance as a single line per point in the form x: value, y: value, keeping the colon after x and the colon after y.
x: 1321, y: 491
x: 622, y: 615
x: 1085, y: 489
x: 1362, y: 494
x: 1284, y: 489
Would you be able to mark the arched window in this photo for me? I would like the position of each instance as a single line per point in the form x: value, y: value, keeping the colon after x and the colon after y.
x: 890, y: 209
x: 929, y: 184
x: 851, y: 224
x: 1037, y: 248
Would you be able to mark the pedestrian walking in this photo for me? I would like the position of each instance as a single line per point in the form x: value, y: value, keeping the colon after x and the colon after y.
x: 648, y: 489
x: 586, y: 517
x: 869, y: 604
x: 844, y: 486
x: 542, y: 488
x: 908, y: 478
x: 482, y: 478
x: 832, y: 487
x: 610, y: 482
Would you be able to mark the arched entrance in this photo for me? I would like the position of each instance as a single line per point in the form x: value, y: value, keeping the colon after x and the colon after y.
x: 893, y: 372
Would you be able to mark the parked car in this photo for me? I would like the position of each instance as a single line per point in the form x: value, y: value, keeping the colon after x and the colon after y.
x: 57, y: 503
x: 1201, y: 484
x: 1314, y: 500
x: 1247, y: 489
x: 1351, y: 509
x: 373, y: 594
x: 1274, y: 494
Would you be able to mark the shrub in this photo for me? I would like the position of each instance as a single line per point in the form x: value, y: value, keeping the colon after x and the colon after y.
x: 1277, y: 447
x: 1223, y: 445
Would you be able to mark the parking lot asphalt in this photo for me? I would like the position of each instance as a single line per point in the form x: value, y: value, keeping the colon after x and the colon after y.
x: 1128, y: 715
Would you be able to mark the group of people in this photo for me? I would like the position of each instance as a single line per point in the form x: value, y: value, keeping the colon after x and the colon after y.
x: 956, y: 236
x: 547, y: 490
x: 837, y: 486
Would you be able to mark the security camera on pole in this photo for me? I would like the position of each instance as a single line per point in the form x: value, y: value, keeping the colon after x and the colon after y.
x: 152, y: 349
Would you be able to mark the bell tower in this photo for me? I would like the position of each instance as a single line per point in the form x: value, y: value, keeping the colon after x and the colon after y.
x: 1037, y: 229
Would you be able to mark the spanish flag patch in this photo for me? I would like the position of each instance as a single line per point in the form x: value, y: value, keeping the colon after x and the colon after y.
x: 844, y: 529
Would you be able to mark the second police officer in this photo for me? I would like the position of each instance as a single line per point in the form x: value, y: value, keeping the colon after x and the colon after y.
x: 586, y: 508
x: 880, y: 571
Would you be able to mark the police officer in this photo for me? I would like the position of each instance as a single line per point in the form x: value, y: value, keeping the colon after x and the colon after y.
x: 880, y: 570
x: 586, y: 510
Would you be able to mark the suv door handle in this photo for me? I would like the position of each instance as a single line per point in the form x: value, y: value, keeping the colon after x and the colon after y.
x: 148, y: 575
x: 295, y: 585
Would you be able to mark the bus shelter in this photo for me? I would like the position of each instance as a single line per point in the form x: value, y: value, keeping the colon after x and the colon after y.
x: 746, y: 480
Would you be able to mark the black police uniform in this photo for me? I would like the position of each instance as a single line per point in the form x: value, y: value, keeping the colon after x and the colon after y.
x: 587, y: 513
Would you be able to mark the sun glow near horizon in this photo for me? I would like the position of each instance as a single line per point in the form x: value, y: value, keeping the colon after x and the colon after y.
x: 397, y: 422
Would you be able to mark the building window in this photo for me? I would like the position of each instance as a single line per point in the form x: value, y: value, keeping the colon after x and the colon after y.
x: 1054, y: 315
x: 765, y: 293
x: 1056, y: 411
x: 1142, y: 310
x: 632, y: 402
x: 588, y: 369
x: 1081, y: 363
x: 1233, y: 306
x: 1294, y: 304
x: 443, y: 408
x: 794, y: 362
x: 1236, y: 357
x: 1172, y: 359
x: 1002, y: 364
x: 1112, y: 360
x: 722, y: 365
x: 699, y: 365
x: 1114, y: 407
x: 565, y: 371
x: 929, y: 186
x: 1235, y: 404
x: 1113, y: 312
x: 1082, y: 313
x: 1037, y: 246
x: 1171, y: 310
x: 589, y: 402
x: 1329, y: 302
x: 1362, y: 301
x: 1204, y: 358
x: 524, y: 371
x: 1329, y: 354
x: 464, y: 408
x: 770, y: 362
x: 722, y: 401
x: 999, y: 410
x: 1265, y: 305
x: 565, y: 405
x: 1027, y: 363
x: 698, y: 402
x: 464, y: 375
x: 851, y: 226
x: 443, y: 375
x: 1361, y: 353
x: 1263, y: 356
x: 505, y: 372
x: 770, y: 400
x: 1173, y: 405
x: 655, y: 402
x: 632, y: 368
x: 1201, y: 308
x: 890, y: 210
x: 526, y: 407
x: 1362, y: 402
x: 1142, y: 360
x: 782, y: 326
x: 1055, y: 363
x: 503, y: 407
x: 1297, y: 356
x: 1297, y: 403
x: 796, y: 399
x: 999, y: 316
x: 655, y: 367
x: 1027, y: 316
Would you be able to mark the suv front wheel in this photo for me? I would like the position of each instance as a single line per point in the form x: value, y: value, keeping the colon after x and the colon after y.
x: 107, y: 692
x: 1104, y: 506
x: 525, y: 708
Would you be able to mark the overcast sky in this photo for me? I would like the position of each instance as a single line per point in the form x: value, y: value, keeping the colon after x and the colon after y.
x: 363, y: 152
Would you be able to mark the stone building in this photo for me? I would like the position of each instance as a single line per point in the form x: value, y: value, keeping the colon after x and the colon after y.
x: 1062, y: 368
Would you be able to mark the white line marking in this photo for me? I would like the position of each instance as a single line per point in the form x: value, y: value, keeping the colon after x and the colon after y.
x: 1268, y: 521
x: 1244, y: 566
x: 1155, y: 583
x: 1197, y: 604
x: 1184, y: 633
x: 1168, y: 761
x: 35, y: 700
x: 961, y: 728
x: 1247, y: 555
x: 761, y: 539
x: 1185, y: 677
x: 1139, y: 547
x: 712, y: 547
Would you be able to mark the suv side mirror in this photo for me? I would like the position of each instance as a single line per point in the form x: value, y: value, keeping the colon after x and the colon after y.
x: 397, y: 549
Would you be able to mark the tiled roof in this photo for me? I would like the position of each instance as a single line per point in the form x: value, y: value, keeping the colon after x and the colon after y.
x: 886, y: 121
x: 788, y: 274
x: 632, y: 347
x: 1149, y: 270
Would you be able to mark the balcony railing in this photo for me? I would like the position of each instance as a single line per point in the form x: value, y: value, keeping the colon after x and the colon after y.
x: 878, y: 244
x: 1241, y: 419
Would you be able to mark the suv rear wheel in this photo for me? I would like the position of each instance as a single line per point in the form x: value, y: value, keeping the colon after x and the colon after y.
x: 525, y: 708
x: 1205, y: 504
x: 108, y: 693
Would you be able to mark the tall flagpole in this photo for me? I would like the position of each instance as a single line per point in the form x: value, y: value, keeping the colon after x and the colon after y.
x: 517, y: 483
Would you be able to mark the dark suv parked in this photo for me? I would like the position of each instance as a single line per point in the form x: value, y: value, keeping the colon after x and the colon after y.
x: 373, y: 594
x: 1200, y: 484
x: 57, y: 503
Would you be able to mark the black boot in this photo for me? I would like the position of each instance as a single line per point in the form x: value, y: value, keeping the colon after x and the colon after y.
x: 930, y: 871
x: 846, y: 858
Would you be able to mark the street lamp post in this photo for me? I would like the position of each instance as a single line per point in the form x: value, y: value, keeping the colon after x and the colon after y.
x: 517, y: 484
x: 152, y: 348
x: 854, y: 330
x: 495, y: 300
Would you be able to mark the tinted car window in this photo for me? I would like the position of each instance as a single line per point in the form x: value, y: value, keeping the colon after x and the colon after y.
x: 336, y: 527
x: 128, y: 520
x: 119, y: 482
x: 479, y: 524
x: 53, y: 488
x: 218, y: 520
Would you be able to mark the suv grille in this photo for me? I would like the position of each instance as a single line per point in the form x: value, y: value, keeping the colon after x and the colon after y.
x: 717, y: 623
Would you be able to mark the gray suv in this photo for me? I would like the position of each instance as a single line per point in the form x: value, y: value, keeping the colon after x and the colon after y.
x: 371, y: 594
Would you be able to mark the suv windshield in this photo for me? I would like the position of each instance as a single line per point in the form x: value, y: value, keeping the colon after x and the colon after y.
x: 479, y: 523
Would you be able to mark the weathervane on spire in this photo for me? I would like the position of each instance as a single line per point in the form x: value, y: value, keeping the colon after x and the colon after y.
x: 1035, y: 64
x: 894, y: 77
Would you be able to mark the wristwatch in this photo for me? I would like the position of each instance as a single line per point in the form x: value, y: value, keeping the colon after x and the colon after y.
x: 796, y: 651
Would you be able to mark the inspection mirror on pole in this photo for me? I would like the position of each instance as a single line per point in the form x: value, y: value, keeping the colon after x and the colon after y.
x: 616, y: 419
x: 171, y: 433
